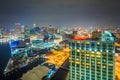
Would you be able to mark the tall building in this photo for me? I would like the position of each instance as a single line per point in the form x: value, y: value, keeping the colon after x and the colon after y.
x: 96, y: 35
x: 92, y: 60
x: 34, y: 25
x: 18, y: 30
x: 27, y: 31
x: 51, y: 29
x: 1, y: 32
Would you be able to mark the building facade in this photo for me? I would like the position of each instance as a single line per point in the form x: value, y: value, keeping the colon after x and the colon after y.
x: 96, y: 35
x: 18, y: 30
x: 91, y: 60
x: 27, y: 31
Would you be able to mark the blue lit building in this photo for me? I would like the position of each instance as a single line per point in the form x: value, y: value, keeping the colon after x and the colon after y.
x: 17, y: 44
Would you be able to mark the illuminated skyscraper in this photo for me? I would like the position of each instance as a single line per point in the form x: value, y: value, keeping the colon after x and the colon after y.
x: 92, y: 60
x: 27, y: 31
x: 1, y: 32
x: 51, y: 29
x: 34, y: 25
x: 18, y: 30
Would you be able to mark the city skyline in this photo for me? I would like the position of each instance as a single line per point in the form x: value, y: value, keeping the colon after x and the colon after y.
x: 68, y: 54
x: 59, y: 12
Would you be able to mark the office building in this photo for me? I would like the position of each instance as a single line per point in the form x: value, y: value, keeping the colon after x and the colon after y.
x: 96, y: 35
x: 91, y: 60
x: 27, y: 31
x: 1, y: 32
x: 18, y: 30
x: 51, y: 29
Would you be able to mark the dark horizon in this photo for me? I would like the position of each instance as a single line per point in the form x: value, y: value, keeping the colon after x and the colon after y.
x: 60, y: 12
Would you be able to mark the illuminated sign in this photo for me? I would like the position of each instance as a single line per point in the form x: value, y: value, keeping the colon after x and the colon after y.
x: 79, y: 37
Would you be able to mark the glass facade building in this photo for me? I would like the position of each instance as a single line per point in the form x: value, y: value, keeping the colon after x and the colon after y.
x: 91, y: 60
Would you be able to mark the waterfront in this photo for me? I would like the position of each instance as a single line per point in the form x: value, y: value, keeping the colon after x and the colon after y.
x: 62, y: 72
x: 5, y: 54
x: 17, y: 73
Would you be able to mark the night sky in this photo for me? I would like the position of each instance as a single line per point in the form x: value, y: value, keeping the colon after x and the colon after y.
x: 59, y: 12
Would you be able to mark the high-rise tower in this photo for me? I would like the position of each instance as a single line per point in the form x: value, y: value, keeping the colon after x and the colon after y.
x: 18, y: 30
x: 27, y: 31
x: 92, y: 60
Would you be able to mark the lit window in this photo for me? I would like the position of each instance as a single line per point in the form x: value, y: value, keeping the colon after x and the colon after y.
x: 87, y: 54
x: 92, y: 52
x: 98, y: 53
x: 87, y: 57
x: 78, y: 41
x: 77, y: 62
x: 104, y: 60
x: 98, y: 43
x: 87, y: 64
x: 78, y: 50
x: 103, y: 66
x: 98, y: 56
x: 82, y: 50
x: 98, y: 62
x: 110, y: 64
x: 92, y: 61
x: 92, y: 55
x: 87, y: 42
